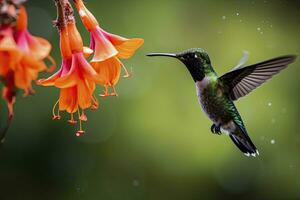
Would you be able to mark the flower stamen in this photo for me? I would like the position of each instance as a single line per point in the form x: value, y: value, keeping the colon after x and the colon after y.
x: 55, y: 117
x: 114, y: 92
x: 28, y: 91
x: 72, y: 121
x: 82, y: 117
x: 81, y: 131
x: 105, y: 93
x: 95, y: 104
x: 127, y: 74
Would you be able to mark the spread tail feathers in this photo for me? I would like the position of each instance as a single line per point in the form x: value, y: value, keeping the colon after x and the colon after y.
x: 244, y: 143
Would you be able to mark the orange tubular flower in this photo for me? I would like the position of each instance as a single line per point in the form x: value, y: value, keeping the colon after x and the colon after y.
x: 108, y: 49
x: 34, y: 51
x: 10, y: 54
x: 21, y: 54
x: 76, y: 78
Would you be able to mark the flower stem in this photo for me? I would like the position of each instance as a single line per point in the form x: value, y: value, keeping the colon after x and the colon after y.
x: 60, y: 21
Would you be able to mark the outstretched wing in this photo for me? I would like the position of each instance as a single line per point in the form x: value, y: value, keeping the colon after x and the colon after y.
x: 242, y: 81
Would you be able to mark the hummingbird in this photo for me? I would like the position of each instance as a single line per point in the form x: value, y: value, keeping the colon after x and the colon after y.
x: 216, y: 95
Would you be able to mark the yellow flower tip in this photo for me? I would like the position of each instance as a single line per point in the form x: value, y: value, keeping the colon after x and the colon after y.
x: 128, y: 48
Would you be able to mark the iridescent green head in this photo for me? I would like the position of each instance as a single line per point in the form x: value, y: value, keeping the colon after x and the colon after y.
x: 196, y: 60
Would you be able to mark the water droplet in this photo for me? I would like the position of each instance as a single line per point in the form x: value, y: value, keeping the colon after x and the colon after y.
x: 269, y: 104
x: 224, y: 17
x: 272, y: 141
x: 261, y: 32
x: 258, y: 28
x: 237, y: 14
x: 135, y: 183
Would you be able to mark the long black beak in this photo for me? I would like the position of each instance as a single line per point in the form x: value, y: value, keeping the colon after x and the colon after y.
x: 173, y: 55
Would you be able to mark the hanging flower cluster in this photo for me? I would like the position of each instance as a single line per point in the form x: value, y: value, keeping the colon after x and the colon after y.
x: 22, y: 55
x: 77, y: 78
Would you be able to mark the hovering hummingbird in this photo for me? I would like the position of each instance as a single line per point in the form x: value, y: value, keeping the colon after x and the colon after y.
x: 216, y: 94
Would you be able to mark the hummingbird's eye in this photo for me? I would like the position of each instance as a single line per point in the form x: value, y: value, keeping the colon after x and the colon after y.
x: 196, y: 56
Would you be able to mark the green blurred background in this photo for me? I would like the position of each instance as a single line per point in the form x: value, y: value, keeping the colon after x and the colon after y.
x: 153, y: 142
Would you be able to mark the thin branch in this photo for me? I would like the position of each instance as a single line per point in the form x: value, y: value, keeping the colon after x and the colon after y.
x: 60, y: 21
x: 69, y: 12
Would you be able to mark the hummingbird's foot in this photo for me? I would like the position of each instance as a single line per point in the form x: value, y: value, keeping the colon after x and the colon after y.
x: 216, y: 129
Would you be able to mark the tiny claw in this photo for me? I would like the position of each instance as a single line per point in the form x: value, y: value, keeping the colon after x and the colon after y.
x: 215, y: 129
x: 80, y: 133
